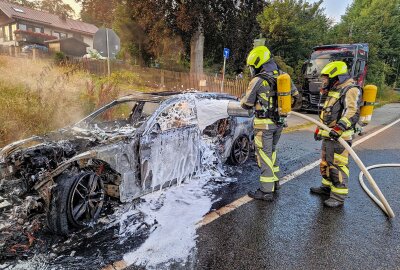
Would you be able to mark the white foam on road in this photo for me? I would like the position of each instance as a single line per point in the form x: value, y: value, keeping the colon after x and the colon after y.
x: 175, y: 213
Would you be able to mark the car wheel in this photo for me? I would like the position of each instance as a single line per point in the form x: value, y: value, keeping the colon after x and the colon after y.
x: 76, y: 202
x: 240, y: 150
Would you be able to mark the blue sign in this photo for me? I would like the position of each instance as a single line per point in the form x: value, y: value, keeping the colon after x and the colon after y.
x: 226, y: 52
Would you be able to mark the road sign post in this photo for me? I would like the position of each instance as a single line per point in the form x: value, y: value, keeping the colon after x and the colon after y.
x: 108, y: 54
x: 226, y: 56
x: 108, y: 44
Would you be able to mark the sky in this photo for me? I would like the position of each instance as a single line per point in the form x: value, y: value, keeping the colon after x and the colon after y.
x: 333, y: 8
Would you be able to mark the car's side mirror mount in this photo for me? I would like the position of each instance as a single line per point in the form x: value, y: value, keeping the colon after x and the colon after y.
x: 156, y: 129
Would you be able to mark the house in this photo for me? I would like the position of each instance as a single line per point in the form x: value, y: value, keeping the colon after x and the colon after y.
x: 20, y: 25
x: 69, y: 46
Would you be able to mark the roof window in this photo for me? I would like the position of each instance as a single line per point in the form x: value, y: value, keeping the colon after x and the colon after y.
x: 18, y: 10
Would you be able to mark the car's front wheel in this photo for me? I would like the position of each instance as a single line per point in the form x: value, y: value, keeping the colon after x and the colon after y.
x: 76, y: 201
x: 240, y: 151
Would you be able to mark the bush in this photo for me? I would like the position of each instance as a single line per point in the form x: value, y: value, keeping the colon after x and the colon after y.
x: 59, y: 57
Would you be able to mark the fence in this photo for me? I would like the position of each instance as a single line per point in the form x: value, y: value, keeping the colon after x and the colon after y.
x: 16, y: 51
x: 159, y: 79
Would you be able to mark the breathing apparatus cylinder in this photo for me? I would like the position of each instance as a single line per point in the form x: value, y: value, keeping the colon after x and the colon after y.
x: 284, y: 95
x: 369, y: 98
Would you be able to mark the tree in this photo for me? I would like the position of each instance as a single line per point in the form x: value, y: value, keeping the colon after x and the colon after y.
x: 375, y: 22
x: 235, y: 28
x: 56, y: 7
x: 293, y: 27
x: 25, y: 3
x: 99, y: 12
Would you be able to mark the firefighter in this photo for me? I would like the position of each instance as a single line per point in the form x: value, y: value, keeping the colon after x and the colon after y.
x: 340, y: 112
x: 262, y: 96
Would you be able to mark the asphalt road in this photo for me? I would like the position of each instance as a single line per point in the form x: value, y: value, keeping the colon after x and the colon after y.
x: 296, y: 231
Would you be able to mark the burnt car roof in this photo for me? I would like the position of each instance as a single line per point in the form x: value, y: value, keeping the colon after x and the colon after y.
x: 162, y: 96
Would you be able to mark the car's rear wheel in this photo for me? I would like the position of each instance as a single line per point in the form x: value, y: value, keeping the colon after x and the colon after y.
x: 240, y: 151
x: 76, y: 202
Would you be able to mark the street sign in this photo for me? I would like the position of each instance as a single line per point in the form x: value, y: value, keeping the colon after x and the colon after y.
x: 226, y: 56
x: 100, y: 43
x: 226, y: 52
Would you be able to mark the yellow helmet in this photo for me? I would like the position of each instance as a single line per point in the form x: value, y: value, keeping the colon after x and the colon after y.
x: 258, y: 56
x: 334, y: 69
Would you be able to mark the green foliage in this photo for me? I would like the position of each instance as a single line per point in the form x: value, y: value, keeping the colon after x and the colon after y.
x: 99, y: 12
x: 293, y: 27
x: 375, y: 22
x: 53, y: 6
x: 59, y: 57
x: 56, y: 7
x: 281, y: 63
x: 24, y: 112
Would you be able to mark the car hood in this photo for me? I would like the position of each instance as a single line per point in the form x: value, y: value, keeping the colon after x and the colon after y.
x: 74, y: 140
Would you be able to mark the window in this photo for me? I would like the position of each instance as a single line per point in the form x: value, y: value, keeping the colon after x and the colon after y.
x: 18, y: 10
x: 60, y: 35
x: 22, y: 26
x: 13, y: 28
x: 178, y: 115
x: 114, y: 118
x: 38, y: 30
x: 78, y: 36
x: 6, y: 31
x: 1, y: 32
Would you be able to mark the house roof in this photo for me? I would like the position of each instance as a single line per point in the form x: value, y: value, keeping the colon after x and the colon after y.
x: 43, y: 17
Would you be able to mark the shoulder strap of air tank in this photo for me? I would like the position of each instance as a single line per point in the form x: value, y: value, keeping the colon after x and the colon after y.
x: 347, y: 88
x: 270, y: 79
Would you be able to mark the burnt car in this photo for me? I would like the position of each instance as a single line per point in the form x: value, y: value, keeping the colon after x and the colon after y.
x: 127, y: 148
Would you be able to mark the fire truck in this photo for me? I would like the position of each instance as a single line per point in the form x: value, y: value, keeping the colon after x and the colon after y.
x: 354, y: 55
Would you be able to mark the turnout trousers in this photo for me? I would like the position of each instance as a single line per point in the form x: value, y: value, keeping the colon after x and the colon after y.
x: 267, y: 135
x: 334, y: 168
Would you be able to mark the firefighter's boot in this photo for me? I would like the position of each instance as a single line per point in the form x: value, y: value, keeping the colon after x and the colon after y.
x: 321, y: 190
x: 260, y: 195
x: 277, y: 186
x: 333, y: 203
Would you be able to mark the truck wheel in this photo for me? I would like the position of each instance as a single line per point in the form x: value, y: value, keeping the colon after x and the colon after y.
x: 240, y: 150
x: 76, y: 202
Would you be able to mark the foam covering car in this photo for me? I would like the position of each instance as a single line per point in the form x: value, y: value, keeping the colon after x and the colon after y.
x: 127, y: 148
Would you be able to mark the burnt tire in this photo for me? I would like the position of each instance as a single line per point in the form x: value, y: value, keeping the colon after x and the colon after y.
x: 76, y: 202
x: 240, y: 150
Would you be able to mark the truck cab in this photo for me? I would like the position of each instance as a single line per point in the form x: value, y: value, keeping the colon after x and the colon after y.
x: 354, y: 55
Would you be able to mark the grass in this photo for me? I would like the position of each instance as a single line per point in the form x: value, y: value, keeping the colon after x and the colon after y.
x: 387, y: 95
x: 38, y: 96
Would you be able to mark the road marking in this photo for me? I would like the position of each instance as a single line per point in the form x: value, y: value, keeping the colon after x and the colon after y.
x: 210, y: 217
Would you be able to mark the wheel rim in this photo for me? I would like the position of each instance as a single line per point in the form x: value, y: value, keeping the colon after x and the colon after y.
x: 86, y: 199
x: 241, y: 150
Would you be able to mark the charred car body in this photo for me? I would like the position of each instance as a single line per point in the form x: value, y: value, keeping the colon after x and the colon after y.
x: 124, y: 150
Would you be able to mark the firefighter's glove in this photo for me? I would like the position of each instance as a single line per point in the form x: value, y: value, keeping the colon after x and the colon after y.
x: 317, y: 135
x: 335, y: 132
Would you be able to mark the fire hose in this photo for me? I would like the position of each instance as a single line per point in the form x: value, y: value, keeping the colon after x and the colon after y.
x: 370, y: 194
x: 381, y: 200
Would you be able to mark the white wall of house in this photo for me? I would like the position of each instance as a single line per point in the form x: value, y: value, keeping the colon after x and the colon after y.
x: 49, y: 31
x: 88, y: 40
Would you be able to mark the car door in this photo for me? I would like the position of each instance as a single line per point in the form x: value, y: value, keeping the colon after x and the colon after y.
x: 169, y: 149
